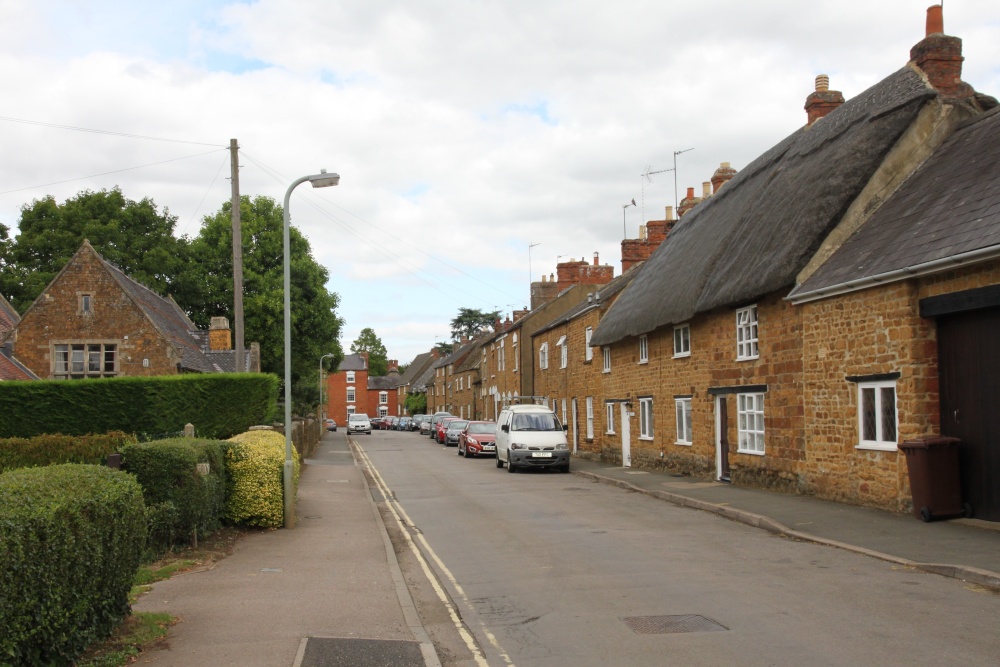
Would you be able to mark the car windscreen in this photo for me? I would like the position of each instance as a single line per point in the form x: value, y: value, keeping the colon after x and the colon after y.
x: 535, y: 421
x: 482, y: 428
x: 358, y: 418
x: 458, y: 424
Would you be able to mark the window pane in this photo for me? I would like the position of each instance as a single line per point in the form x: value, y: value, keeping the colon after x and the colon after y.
x: 687, y: 422
x: 888, y: 414
x: 868, y: 414
x: 77, y: 358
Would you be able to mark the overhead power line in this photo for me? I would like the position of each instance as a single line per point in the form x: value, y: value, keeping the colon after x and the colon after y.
x: 107, y: 132
x: 106, y: 173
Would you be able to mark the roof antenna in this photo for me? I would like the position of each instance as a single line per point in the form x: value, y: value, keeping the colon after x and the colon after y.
x: 644, y: 180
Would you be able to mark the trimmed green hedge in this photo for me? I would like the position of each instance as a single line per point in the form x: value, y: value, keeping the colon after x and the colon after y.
x: 218, y: 404
x: 255, y: 462
x: 179, y: 498
x: 43, y: 450
x: 71, y: 538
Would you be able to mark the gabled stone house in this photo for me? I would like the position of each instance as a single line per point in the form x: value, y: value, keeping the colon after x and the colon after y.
x: 714, y: 363
x: 407, y: 380
x: 94, y: 321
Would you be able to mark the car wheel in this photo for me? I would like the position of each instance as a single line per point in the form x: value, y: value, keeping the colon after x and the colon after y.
x: 499, y: 461
x: 565, y: 468
x: 510, y: 466
x: 467, y: 454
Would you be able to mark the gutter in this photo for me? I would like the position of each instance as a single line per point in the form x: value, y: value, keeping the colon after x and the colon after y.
x: 915, y: 271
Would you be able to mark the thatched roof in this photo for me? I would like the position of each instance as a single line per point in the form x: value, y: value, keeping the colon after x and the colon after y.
x: 947, y: 210
x: 754, y: 235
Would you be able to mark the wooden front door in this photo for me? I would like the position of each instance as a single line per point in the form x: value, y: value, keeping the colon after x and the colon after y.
x: 969, y: 374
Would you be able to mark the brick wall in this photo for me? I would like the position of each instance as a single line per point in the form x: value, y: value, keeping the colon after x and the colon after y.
x: 336, y: 395
x: 114, y: 318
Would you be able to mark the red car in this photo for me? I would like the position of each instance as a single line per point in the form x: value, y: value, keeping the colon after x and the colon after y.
x: 442, y: 428
x: 478, y: 438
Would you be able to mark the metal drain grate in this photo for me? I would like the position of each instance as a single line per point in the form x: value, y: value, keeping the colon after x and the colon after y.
x: 662, y: 625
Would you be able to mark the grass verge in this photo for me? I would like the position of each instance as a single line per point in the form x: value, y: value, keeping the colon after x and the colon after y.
x: 143, y: 630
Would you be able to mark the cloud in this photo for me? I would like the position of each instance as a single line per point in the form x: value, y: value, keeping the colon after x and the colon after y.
x: 463, y: 132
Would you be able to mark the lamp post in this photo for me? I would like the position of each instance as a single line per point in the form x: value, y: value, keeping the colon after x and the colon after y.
x: 625, y: 206
x: 320, y: 409
x: 320, y: 180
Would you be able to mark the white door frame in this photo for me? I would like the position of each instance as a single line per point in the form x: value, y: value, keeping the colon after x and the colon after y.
x: 576, y: 435
x: 626, y: 437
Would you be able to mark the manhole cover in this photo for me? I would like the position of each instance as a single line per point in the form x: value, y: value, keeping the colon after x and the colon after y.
x: 351, y: 652
x: 662, y: 625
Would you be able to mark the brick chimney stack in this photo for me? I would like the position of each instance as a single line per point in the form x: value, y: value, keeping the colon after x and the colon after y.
x: 219, y: 335
x: 822, y: 101
x: 722, y: 175
x: 939, y: 56
x: 687, y: 203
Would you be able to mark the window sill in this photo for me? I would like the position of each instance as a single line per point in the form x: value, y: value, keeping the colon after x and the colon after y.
x: 878, y: 446
x: 609, y: 433
x: 642, y: 363
x: 647, y: 438
x: 607, y: 370
x: 748, y: 358
x: 682, y: 355
x: 751, y: 452
x: 684, y: 444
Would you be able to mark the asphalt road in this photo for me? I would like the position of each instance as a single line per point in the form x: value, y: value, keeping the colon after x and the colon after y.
x: 547, y: 569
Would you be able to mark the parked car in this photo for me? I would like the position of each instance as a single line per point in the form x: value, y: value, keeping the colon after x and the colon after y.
x: 404, y: 423
x: 415, y: 423
x: 331, y: 425
x: 359, y: 423
x: 425, y: 424
x: 530, y: 436
x: 442, y: 428
x: 390, y: 423
x: 453, y: 430
x: 436, y: 421
x: 479, y: 437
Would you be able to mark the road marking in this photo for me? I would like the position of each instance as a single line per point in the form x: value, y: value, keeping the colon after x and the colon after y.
x: 397, y: 510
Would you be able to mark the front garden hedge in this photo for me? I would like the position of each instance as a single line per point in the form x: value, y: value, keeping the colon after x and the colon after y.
x: 43, y: 450
x: 183, y: 502
x: 71, y: 539
x: 255, y: 462
x: 218, y: 404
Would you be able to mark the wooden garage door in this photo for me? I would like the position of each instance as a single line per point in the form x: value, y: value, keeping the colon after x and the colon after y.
x: 969, y: 367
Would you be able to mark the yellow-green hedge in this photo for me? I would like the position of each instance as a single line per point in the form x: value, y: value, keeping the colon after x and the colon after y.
x: 256, y: 462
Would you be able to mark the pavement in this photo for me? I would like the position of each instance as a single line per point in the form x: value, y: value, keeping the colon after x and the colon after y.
x: 330, y: 593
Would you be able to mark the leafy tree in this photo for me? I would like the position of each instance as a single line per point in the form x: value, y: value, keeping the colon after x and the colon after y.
x: 416, y: 404
x: 134, y: 236
x: 445, y: 348
x: 470, y: 322
x: 205, y: 289
x: 368, y: 342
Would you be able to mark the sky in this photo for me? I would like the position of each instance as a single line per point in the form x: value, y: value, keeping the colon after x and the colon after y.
x: 478, y: 143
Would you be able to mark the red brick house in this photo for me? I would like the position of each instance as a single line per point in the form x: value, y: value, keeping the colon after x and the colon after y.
x: 94, y: 321
x: 347, y: 389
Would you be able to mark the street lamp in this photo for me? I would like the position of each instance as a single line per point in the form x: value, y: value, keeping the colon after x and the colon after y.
x: 320, y: 180
x: 625, y: 206
x: 319, y: 410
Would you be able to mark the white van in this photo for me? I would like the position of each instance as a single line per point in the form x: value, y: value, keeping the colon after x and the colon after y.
x: 530, y: 436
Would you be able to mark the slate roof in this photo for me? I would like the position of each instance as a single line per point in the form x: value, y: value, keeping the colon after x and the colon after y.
x: 8, y: 317
x: 383, y: 382
x: 420, y: 363
x: 11, y: 368
x: 421, y: 381
x: 175, y: 325
x: 472, y: 359
x: 352, y: 362
x: 948, y: 207
x: 604, y: 296
x: 753, y: 236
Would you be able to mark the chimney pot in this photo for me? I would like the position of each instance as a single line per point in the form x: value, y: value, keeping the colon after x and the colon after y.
x: 822, y: 100
x: 596, y: 257
x: 670, y: 213
x: 822, y: 82
x: 706, y: 189
x: 690, y: 193
x: 935, y: 20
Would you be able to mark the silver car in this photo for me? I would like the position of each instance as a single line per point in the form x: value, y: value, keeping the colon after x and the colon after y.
x: 359, y: 423
x: 455, y: 428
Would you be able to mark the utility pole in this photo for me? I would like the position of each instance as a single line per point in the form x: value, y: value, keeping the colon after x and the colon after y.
x: 237, y: 256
